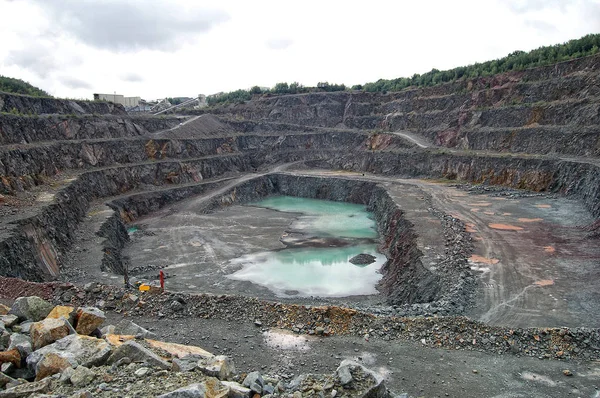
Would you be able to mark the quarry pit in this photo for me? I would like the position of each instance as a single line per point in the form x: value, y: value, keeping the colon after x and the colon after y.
x: 484, y: 197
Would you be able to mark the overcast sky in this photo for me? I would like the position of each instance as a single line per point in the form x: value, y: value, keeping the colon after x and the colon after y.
x: 159, y: 48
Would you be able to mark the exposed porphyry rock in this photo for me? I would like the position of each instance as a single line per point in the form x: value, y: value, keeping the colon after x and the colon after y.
x: 137, y: 353
x: 86, y: 351
x: 89, y: 319
x: 31, y: 308
x: 48, y: 331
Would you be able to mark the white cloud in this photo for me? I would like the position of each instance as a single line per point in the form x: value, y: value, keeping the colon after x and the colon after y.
x: 165, y: 48
x: 279, y: 43
x: 132, y: 25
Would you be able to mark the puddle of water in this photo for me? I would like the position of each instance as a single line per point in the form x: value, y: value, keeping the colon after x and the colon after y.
x: 324, y: 272
x: 324, y: 218
x: 317, y: 271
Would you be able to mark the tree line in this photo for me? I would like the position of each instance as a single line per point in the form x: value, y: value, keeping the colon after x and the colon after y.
x: 239, y: 96
x: 18, y: 86
x: 515, y: 61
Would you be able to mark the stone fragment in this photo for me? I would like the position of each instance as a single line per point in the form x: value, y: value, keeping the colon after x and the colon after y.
x: 8, y: 367
x: 82, y: 376
x: 215, y: 389
x: 219, y: 366
x: 192, y: 391
x: 22, y: 343
x: 4, y: 309
x: 65, y: 375
x: 31, y: 308
x: 344, y: 375
x: 84, y: 350
x: 254, y: 381
x: 48, y: 331
x: 137, y: 353
x: 4, y: 337
x: 211, y: 388
x: 5, y: 379
x: 89, y: 319
x: 108, y: 329
x: 127, y: 327
x: 26, y: 389
x: 81, y: 394
x: 13, y: 356
x: 52, y: 363
x: 63, y: 311
x: 178, y: 350
x: 567, y: 372
x: 236, y: 390
x: 371, y: 385
x: 26, y: 327
x: 9, y: 320
x: 142, y: 372
x: 186, y: 364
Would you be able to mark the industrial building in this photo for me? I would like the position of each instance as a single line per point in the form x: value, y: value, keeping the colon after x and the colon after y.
x: 127, y: 102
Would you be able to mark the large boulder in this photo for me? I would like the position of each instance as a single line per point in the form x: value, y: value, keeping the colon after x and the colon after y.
x: 84, y: 350
x: 89, y: 319
x: 31, y: 308
x: 26, y: 389
x: 127, y: 327
x: 211, y: 388
x: 364, y: 382
x: 219, y: 366
x: 52, y: 363
x: 138, y: 353
x: 48, y: 331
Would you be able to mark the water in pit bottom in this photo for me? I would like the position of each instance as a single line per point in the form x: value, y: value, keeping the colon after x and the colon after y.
x: 317, y: 271
x: 323, y: 272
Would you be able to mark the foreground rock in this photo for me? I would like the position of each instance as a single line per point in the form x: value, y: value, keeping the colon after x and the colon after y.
x: 82, y: 350
x: 48, y: 331
x: 137, y: 353
x: 31, y: 308
x: 88, y: 320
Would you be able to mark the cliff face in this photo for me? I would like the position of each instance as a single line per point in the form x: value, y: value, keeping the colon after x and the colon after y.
x: 554, y: 109
x: 62, y: 164
x: 20, y: 129
x: 40, y: 106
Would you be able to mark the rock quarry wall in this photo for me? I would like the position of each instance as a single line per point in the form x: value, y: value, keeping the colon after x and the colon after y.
x: 24, y: 104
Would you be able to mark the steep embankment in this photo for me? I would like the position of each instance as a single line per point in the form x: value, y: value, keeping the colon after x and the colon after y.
x: 545, y: 110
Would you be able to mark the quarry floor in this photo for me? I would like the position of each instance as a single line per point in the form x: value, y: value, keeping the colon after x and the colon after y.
x: 407, y: 367
x: 535, y: 266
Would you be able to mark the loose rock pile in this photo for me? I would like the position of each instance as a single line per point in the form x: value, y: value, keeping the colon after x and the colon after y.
x: 64, y: 351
